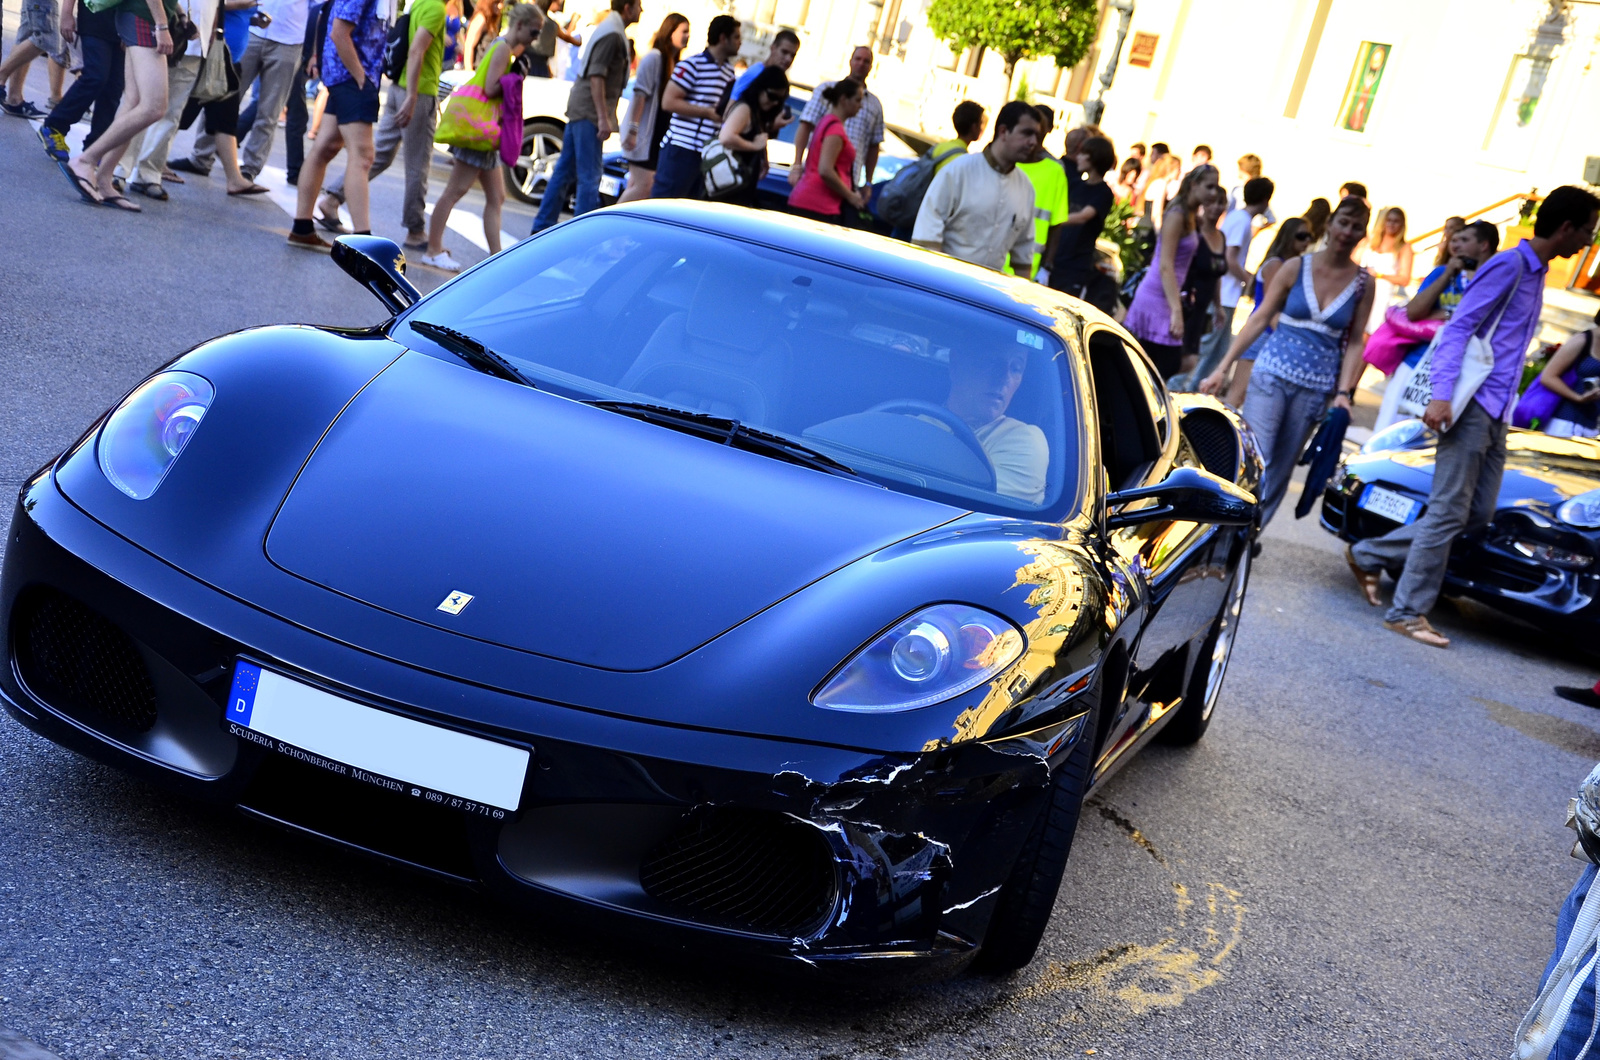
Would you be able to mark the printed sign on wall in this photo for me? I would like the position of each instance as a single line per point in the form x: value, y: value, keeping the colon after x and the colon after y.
x: 1362, y: 91
x: 1143, y: 51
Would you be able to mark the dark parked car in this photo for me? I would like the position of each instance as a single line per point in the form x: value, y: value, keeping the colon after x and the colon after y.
x: 1536, y: 559
x: 708, y: 571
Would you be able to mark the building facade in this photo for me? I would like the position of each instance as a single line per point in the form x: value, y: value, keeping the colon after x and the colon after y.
x: 1439, y: 106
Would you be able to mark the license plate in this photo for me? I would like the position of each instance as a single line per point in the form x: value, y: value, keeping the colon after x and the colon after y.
x: 1393, y: 506
x: 610, y: 185
x: 409, y: 757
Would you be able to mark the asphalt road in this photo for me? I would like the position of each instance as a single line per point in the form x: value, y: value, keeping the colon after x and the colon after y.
x: 1363, y: 857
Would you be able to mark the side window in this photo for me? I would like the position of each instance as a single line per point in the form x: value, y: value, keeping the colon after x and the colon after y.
x: 1155, y: 393
x: 1131, y: 433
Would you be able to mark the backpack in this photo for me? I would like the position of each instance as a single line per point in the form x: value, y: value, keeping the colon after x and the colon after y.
x: 901, y: 198
x: 396, y: 47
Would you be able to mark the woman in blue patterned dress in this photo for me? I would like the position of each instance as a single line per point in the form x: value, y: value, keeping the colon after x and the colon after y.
x: 1313, y: 357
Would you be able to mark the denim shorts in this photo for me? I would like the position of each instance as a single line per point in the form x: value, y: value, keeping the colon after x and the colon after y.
x: 40, y: 26
x: 136, y: 31
x: 351, y: 105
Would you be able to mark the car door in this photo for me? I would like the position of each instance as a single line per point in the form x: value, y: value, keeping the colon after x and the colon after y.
x: 1168, y: 560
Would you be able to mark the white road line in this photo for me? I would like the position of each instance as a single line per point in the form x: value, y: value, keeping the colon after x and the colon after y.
x: 469, y: 226
x: 464, y: 222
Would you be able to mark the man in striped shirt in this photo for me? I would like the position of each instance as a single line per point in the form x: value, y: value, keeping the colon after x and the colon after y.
x: 865, y: 129
x: 693, y: 97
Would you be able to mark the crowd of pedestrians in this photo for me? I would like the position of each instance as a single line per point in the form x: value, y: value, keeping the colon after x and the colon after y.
x: 1331, y: 296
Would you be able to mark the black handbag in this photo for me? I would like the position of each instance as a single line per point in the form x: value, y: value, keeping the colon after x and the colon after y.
x: 183, y: 30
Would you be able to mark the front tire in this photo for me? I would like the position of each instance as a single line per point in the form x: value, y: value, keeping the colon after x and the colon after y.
x: 1193, y: 715
x: 1029, y: 895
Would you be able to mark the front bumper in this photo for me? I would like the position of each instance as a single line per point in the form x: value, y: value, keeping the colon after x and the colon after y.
x: 1483, y: 564
x: 892, y: 858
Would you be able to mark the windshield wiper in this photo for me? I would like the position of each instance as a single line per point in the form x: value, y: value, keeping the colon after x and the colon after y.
x: 729, y: 432
x: 472, y: 351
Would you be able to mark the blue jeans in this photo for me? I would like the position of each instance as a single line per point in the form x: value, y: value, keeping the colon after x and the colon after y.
x: 580, y: 162
x: 1283, y: 415
x: 677, y: 174
x: 99, y: 86
x: 1581, y: 1019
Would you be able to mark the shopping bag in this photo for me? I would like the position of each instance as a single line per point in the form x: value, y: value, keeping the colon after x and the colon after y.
x: 471, y: 120
x: 1477, y: 361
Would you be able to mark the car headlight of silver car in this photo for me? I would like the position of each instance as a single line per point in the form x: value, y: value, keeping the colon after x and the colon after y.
x: 1582, y: 510
x: 144, y: 435
x: 934, y: 655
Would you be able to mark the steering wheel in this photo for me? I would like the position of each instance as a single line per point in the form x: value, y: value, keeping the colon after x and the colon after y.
x: 957, y: 425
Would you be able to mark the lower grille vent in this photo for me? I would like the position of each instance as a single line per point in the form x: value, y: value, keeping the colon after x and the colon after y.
x: 745, y: 869
x: 75, y: 659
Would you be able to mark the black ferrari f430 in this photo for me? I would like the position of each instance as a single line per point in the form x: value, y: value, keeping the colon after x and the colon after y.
x: 723, y: 575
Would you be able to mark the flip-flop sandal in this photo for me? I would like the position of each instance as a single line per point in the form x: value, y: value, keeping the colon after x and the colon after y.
x: 331, y: 224
x: 1419, y: 630
x: 254, y: 189
x: 122, y: 202
x: 84, y: 188
x: 168, y: 176
x: 1366, y: 580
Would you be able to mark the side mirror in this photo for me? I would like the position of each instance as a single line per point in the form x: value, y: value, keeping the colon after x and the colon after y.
x: 379, y: 266
x: 1188, y: 494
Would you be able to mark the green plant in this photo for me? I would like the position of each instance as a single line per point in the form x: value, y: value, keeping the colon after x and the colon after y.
x: 1018, y: 29
x: 1024, y: 90
x: 1133, y: 244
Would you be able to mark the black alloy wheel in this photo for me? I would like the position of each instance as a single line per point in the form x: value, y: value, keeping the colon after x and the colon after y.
x: 1193, y: 715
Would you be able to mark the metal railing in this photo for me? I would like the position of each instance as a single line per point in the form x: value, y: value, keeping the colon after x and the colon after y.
x: 1425, y: 245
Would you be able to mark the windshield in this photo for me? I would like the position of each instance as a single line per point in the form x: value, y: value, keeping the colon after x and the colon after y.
x: 922, y: 393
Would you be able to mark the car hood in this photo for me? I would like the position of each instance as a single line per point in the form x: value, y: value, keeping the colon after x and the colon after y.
x: 578, y: 534
x: 1540, y: 469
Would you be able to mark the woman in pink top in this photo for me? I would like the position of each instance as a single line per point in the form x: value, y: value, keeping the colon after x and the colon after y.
x: 826, y: 184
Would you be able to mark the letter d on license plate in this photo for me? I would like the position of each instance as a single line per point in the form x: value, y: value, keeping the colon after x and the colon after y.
x: 374, y: 745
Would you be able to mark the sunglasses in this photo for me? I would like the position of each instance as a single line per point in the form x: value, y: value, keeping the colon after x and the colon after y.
x: 1298, y: 236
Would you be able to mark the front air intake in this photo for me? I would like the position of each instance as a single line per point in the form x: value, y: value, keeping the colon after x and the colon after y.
x: 754, y: 871
x: 1214, y: 442
x: 80, y: 663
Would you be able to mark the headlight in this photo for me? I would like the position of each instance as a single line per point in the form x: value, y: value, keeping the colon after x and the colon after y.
x: 1582, y: 510
x: 143, y: 437
x: 1407, y: 434
x: 936, y: 654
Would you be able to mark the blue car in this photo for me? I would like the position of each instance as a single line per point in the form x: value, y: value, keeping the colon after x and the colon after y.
x: 703, y: 572
x: 1537, y: 557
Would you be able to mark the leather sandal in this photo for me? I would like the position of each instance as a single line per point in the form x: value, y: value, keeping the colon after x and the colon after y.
x: 1367, y: 580
x: 1419, y: 630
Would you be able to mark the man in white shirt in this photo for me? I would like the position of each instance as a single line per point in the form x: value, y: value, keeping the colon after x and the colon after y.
x: 982, y: 384
x: 274, y: 55
x: 1237, y: 229
x: 980, y: 208
x: 865, y: 129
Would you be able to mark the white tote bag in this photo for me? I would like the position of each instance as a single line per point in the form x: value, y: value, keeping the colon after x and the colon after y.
x: 1477, y: 361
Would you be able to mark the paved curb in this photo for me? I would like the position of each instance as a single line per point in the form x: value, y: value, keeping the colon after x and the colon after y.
x: 16, y: 1047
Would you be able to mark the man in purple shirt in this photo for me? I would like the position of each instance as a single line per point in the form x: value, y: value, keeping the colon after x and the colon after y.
x: 1471, y: 454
